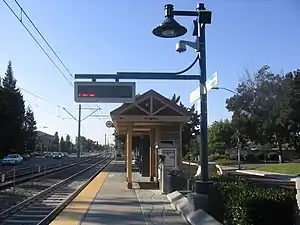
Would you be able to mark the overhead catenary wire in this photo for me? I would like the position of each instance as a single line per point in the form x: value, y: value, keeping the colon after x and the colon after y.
x: 57, y: 105
x: 37, y: 42
x: 45, y: 100
x: 35, y: 27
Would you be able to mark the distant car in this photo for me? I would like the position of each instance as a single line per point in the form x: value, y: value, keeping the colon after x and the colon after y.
x: 57, y: 155
x: 26, y: 156
x: 12, y: 159
x: 48, y: 154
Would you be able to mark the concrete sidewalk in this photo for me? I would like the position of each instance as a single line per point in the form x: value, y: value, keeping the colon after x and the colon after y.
x: 156, y: 208
x: 115, y: 204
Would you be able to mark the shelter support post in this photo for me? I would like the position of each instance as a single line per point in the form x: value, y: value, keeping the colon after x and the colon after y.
x: 157, y: 142
x: 180, y: 155
x: 152, y: 154
x: 129, y: 157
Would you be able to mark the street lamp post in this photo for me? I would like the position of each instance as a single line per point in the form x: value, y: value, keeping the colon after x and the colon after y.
x: 170, y: 28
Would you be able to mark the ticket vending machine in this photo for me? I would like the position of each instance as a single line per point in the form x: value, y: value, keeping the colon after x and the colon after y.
x: 167, y: 156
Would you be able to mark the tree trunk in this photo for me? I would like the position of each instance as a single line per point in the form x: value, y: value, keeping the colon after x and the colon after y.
x: 280, y: 155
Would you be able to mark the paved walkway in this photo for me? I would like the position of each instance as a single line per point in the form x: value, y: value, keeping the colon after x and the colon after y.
x: 113, y: 204
x: 156, y: 207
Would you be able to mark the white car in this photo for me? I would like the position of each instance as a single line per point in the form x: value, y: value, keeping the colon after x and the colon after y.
x: 57, y: 155
x: 12, y: 159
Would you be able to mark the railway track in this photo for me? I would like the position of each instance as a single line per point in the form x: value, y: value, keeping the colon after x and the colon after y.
x: 34, y: 173
x: 47, y: 204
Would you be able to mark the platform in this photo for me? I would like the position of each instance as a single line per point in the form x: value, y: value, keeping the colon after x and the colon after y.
x: 106, y: 201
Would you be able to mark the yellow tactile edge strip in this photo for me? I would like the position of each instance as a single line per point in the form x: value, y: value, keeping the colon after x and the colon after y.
x: 77, y: 209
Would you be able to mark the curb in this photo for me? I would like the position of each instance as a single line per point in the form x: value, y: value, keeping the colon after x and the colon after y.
x: 278, y: 176
x: 186, y: 210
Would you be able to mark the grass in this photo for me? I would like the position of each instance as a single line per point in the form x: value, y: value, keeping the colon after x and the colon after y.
x: 287, y: 168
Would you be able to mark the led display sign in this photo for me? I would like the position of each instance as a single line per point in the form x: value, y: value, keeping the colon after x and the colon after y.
x: 109, y: 92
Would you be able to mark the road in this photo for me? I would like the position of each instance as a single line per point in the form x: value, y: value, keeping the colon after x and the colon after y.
x: 38, y: 161
x: 266, y: 182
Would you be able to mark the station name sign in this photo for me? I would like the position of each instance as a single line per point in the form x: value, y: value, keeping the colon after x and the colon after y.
x: 151, y: 118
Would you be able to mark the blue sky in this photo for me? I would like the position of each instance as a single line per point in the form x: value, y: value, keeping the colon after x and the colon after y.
x: 108, y: 36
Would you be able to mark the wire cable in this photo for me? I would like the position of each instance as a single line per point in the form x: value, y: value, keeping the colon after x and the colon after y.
x: 20, y: 20
x: 32, y: 23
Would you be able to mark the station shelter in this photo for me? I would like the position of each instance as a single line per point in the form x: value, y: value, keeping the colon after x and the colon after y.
x: 156, y: 123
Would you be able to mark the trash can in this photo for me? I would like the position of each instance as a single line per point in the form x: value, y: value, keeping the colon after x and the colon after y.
x: 174, y: 181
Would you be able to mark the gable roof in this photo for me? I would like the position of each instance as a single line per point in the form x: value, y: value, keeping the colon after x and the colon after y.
x: 147, y: 95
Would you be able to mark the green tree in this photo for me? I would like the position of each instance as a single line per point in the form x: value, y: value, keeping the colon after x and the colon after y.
x: 190, y: 129
x: 55, y: 142
x: 68, y: 143
x: 30, y: 130
x: 221, y: 136
x: 12, y: 112
x: 294, y: 97
x: 265, y: 108
x: 62, y: 144
x: 192, y: 150
x: 119, y: 142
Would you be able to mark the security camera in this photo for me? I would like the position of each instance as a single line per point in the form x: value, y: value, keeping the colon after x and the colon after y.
x: 180, y: 47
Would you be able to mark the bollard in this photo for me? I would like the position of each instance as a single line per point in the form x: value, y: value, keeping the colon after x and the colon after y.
x: 39, y: 169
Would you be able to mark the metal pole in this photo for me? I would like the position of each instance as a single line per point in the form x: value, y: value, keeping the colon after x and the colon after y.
x: 239, y: 154
x: 203, y: 184
x: 105, y: 144
x: 78, y: 138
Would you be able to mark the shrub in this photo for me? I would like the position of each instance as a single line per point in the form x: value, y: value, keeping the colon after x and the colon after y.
x: 226, y: 162
x: 217, y: 156
x: 236, y: 201
x: 250, y: 157
x: 273, y: 156
x: 260, y: 155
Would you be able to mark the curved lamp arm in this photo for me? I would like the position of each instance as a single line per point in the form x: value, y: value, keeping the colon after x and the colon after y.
x: 223, y: 88
x: 189, y: 67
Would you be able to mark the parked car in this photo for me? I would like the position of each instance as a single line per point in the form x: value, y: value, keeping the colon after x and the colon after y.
x: 26, y: 156
x: 49, y: 154
x: 12, y: 159
x: 57, y: 155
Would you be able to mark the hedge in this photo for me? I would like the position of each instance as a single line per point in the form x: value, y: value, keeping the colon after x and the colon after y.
x: 237, y: 201
x: 216, y: 156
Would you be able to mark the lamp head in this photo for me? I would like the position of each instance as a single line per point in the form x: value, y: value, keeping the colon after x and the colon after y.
x: 170, y: 28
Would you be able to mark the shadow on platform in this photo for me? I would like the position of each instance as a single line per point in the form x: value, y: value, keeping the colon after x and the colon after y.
x: 123, y: 202
x: 148, y: 185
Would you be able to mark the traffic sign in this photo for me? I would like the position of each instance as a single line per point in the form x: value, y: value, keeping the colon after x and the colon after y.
x: 109, y: 124
x: 212, y: 82
x: 108, y: 92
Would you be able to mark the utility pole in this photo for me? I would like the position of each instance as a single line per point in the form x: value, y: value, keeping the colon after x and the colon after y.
x: 105, y: 144
x: 79, y: 130
x: 79, y: 120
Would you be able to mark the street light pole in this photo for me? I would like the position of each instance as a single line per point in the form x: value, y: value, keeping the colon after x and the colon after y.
x: 170, y: 28
x: 79, y: 131
x: 203, y: 100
